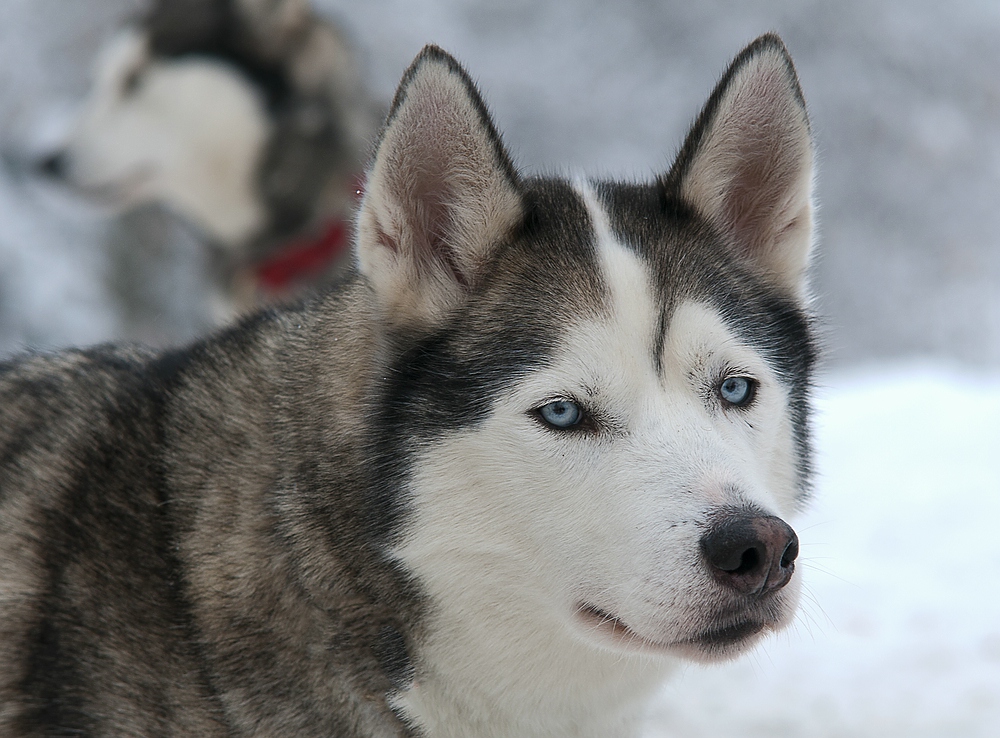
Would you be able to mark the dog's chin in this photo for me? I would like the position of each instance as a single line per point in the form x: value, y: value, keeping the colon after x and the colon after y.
x: 715, y: 643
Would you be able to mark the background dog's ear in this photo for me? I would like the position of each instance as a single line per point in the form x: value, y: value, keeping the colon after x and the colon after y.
x: 181, y: 26
x: 747, y: 164
x: 261, y: 33
x: 441, y: 193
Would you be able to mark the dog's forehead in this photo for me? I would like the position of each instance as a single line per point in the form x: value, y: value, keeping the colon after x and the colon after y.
x: 689, y: 261
x: 583, y: 257
x: 597, y: 252
x: 572, y: 265
x: 629, y: 309
x: 550, y: 272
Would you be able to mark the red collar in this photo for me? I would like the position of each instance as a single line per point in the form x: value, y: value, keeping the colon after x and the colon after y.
x: 303, y: 260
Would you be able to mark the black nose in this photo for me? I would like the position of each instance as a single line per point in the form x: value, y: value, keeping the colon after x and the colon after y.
x: 53, y: 165
x: 750, y: 552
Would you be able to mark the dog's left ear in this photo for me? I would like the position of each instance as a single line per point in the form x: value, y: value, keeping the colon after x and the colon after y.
x: 441, y: 195
x: 747, y: 164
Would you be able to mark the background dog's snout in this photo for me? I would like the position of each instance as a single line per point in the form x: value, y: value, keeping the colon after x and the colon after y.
x: 53, y: 165
x: 751, y: 553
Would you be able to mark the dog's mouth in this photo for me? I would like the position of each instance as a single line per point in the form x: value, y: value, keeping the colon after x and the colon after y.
x: 712, y: 643
x: 731, y: 635
x: 606, y: 626
x: 116, y: 193
x: 122, y: 192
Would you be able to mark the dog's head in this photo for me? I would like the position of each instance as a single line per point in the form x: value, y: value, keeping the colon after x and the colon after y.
x: 246, y: 118
x: 597, y: 413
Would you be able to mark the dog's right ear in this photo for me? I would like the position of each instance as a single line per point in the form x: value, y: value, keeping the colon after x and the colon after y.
x: 747, y: 164
x: 441, y: 194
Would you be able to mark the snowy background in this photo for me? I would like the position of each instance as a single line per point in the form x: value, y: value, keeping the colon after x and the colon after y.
x: 899, y: 634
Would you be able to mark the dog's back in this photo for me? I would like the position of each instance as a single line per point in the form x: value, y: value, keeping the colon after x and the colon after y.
x: 91, y: 620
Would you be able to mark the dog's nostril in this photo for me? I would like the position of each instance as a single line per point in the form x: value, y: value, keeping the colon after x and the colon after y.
x: 751, y: 553
x: 749, y: 560
x: 790, y: 553
x: 53, y: 165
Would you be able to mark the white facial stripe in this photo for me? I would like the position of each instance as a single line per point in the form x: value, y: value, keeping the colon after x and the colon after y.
x: 634, y: 308
x: 602, y: 227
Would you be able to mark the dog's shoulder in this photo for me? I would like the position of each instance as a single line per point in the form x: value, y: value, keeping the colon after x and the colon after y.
x: 93, y: 422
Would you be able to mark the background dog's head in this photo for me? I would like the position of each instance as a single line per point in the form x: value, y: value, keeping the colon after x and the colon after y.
x: 246, y: 117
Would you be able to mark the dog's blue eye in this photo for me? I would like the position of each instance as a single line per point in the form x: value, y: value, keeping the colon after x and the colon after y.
x: 561, y: 414
x: 738, y: 391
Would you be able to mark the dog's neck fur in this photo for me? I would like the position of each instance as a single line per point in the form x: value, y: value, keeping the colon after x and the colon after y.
x: 497, y: 675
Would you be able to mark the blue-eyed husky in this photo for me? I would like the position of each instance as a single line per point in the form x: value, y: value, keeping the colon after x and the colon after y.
x: 533, y: 452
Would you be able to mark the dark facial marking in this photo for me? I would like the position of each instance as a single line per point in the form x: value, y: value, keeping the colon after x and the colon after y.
x: 446, y: 380
x: 690, y: 261
x: 217, y: 29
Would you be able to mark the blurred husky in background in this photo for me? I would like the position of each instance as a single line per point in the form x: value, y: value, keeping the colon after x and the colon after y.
x: 248, y: 118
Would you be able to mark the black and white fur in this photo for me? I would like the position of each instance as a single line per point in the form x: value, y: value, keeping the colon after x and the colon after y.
x: 531, y: 455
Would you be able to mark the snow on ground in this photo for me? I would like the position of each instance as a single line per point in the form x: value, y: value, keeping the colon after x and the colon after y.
x: 899, y: 632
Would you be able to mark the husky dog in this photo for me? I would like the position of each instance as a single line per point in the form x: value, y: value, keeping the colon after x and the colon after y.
x: 533, y: 452
x: 245, y: 117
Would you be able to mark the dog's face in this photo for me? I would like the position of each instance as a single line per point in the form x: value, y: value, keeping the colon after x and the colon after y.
x: 597, y: 417
x: 602, y: 524
x: 188, y: 132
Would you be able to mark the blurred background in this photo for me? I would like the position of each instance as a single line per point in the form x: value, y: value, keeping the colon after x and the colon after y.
x: 904, y: 97
x: 900, y: 635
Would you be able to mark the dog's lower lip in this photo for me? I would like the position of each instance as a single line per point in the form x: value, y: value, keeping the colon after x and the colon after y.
x: 617, y: 630
x: 730, y: 634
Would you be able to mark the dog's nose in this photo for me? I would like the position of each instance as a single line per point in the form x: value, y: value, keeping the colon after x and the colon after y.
x: 751, y: 553
x: 53, y: 165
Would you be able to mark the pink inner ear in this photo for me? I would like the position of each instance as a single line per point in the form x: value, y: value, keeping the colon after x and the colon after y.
x: 436, y: 246
x: 756, y: 198
x: 433, y: 226
x: 434, y: 170
x: 441, y: 192
x: 425, y: 199
x: 767, y: 151
x: 386, y: 241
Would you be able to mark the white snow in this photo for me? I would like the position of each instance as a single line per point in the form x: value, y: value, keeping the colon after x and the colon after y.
x: 899, y: 632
